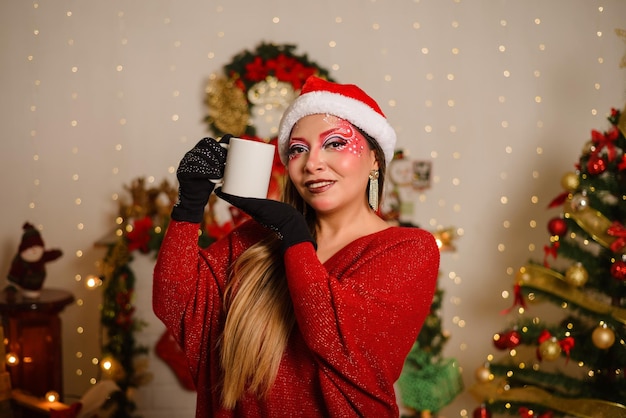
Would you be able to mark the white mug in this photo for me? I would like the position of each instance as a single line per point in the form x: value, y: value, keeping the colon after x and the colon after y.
x: 248, y: 168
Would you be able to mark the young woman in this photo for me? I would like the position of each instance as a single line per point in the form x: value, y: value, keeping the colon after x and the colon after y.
x: 310, y: 308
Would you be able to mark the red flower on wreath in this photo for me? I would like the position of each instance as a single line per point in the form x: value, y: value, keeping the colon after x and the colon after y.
x: 284, y: 68
x: 256, y: 70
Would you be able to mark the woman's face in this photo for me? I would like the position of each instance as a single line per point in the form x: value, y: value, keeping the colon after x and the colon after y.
x: 329, y: 163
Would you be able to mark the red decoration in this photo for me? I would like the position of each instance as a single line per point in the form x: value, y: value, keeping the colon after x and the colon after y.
x: 499, y: 342
x: 170, y: 352
x: 513, y: 339
x: 518, y: 299
x: 139, y: 237
x: 284, y: 68
x: 528, y: 413
x: 622, y: 164
x: 481, y: 412
x: 606, y: 140
x: 551, y: 250
x: 507, y: 340
x: 525, y: 412
x: 557, y: 226
x: 614, y: 112
x: 124, y: 317
x: 618, y: 270
x: 559, y: 200
x: 596, y: 165
x: 617, y: 230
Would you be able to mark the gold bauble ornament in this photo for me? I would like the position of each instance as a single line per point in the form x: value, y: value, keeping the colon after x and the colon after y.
x: 483, y: 374
x: 603, y: 337
x: 576, y: 275
x: 550, y: 349
x: 570, y: 182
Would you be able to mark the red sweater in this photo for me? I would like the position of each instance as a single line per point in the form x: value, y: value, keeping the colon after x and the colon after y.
x: 357, y: 316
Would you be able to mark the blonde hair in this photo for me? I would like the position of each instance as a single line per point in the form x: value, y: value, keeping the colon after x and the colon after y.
x: 259, y: 310
x: 259, y: 319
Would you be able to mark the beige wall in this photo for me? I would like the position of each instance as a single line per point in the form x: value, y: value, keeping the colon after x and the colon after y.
x: 500, y: 95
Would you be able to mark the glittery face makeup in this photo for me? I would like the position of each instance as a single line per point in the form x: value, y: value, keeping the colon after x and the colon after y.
x: 341, y: 137
x: 329, y: 162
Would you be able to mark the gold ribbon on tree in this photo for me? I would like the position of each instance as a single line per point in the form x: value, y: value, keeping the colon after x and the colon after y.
x: 593, y: 222
x: 552, y: 282
x: 494, y: 391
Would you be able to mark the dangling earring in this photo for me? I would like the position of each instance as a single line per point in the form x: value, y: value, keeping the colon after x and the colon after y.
x: 373, y: 190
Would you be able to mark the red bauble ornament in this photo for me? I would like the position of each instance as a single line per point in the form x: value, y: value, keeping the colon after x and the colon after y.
x: 481, y: 412
x: 557, y: 226
x: 618, y: 270
x: 498, y: 342
x: 507, y: 340
x: 596, y: 165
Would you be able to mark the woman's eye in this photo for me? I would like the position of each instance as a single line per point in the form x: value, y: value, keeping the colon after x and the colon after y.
x: 336, y: 142
x: 296, y: 149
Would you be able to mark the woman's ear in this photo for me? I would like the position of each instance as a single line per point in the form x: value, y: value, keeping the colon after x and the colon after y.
x: 374, y: 160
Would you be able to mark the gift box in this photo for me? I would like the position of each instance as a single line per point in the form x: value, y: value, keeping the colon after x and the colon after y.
x: 429, y: 385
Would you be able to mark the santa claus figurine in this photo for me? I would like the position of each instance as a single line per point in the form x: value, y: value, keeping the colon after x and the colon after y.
x: 28, y: 270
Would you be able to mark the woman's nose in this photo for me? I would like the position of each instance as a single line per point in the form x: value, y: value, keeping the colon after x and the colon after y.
x: 315, y: 161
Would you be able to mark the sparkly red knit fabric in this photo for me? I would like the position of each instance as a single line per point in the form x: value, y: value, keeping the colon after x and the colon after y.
x: 358, y: 315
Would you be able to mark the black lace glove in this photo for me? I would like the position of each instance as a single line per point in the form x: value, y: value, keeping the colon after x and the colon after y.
x: 284, y: 219
x: 200, y: 165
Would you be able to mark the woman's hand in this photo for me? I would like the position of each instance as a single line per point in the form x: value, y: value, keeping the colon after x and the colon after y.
x: 288, y: 224
x: 196, y: 172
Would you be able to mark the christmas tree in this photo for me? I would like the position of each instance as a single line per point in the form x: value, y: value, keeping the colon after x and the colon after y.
x: 565, y: 352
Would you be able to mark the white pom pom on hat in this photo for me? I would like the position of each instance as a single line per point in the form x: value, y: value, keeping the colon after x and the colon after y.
x: 346, y: 101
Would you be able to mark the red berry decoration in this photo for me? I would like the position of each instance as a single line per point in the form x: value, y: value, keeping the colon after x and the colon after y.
x: 557, y: 226
x: 618, y: 270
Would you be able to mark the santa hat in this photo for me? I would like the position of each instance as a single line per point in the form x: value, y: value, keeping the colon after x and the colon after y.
x: 30, y: 238
x: 345, y: 101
